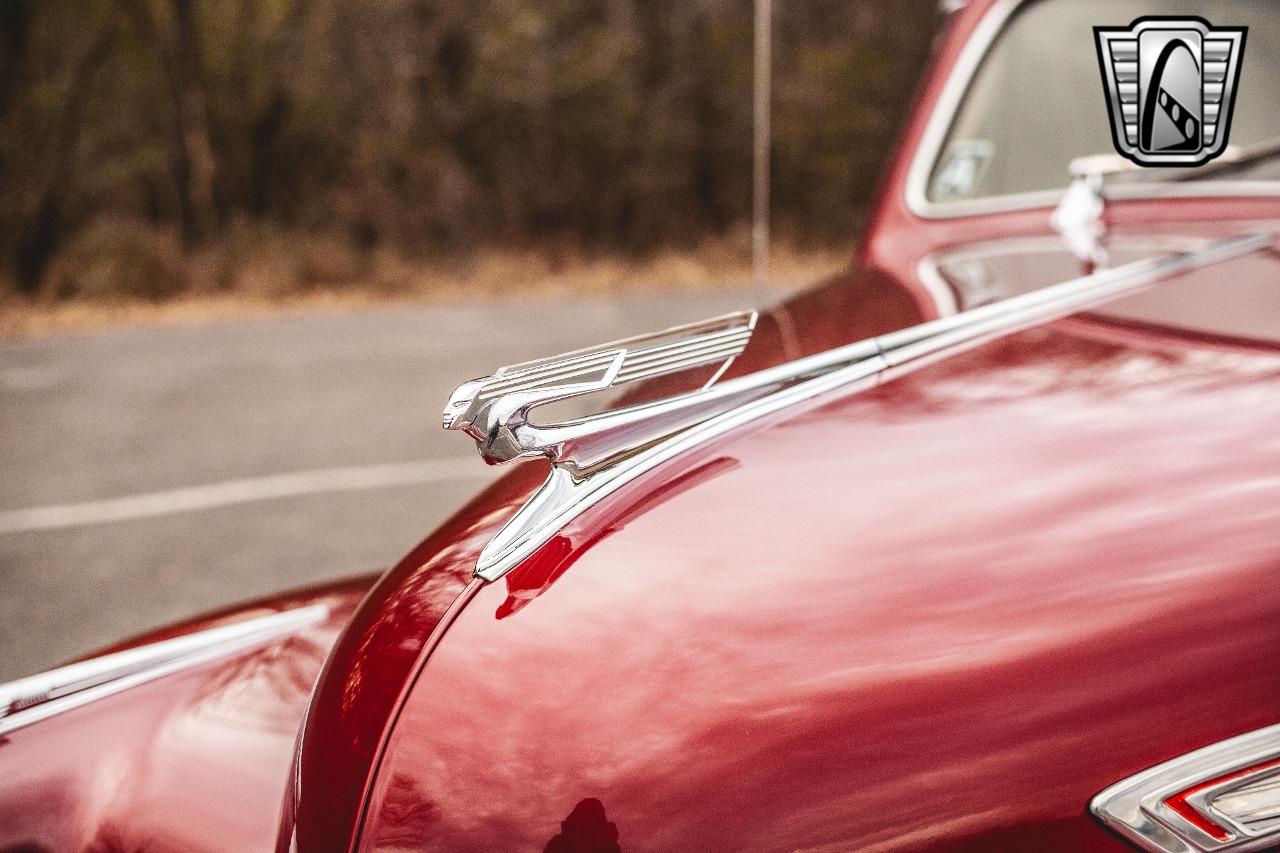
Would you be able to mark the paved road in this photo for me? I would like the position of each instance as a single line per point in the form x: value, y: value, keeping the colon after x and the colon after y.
x: 150, y: 474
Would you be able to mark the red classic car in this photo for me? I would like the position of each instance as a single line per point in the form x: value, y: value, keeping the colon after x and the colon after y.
x: 973, y: 548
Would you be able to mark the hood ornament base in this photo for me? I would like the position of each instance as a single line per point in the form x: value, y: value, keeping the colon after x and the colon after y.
x: 592, y: 457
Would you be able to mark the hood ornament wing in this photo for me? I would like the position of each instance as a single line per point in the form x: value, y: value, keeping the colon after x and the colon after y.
x: 494, y: 410
x: 593, y: 456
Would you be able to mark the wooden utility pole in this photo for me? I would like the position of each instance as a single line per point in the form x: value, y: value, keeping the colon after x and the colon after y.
x: 760, y: 148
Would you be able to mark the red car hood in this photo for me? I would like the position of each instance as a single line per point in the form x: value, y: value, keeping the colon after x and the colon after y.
x: 943, y: 613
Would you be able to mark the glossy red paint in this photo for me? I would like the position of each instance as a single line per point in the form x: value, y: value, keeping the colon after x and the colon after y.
x: 1015, y: 578
x: 194, y: 761
x: 938, y: 616
x: 368, y: 676
x: 370, y: 669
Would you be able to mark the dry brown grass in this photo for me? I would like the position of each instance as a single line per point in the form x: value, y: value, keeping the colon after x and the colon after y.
x: 264, y: 279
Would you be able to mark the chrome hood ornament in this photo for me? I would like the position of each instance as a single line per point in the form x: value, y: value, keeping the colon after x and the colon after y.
x: 494, y: 410
x: 593, y: 456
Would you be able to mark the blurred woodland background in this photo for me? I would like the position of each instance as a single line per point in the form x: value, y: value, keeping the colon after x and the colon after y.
x: 154, y: 148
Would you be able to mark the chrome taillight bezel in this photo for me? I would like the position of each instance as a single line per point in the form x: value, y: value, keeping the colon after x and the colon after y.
x: 1148, y: 808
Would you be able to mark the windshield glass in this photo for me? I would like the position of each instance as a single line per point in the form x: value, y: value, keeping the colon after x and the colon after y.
x: 1037, y: 100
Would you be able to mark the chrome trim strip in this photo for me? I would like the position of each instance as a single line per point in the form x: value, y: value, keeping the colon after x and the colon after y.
x: 38, y: 697
x: 930, y: 268
x: 1265, y: 818
x: 593, y: 457
x: 1135, y: 808
x: 944, y: 114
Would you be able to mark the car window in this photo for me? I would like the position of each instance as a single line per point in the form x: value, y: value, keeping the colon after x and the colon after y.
x: 1037, y: 101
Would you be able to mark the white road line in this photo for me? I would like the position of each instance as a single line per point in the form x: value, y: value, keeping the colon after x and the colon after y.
x: 151, y: 504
